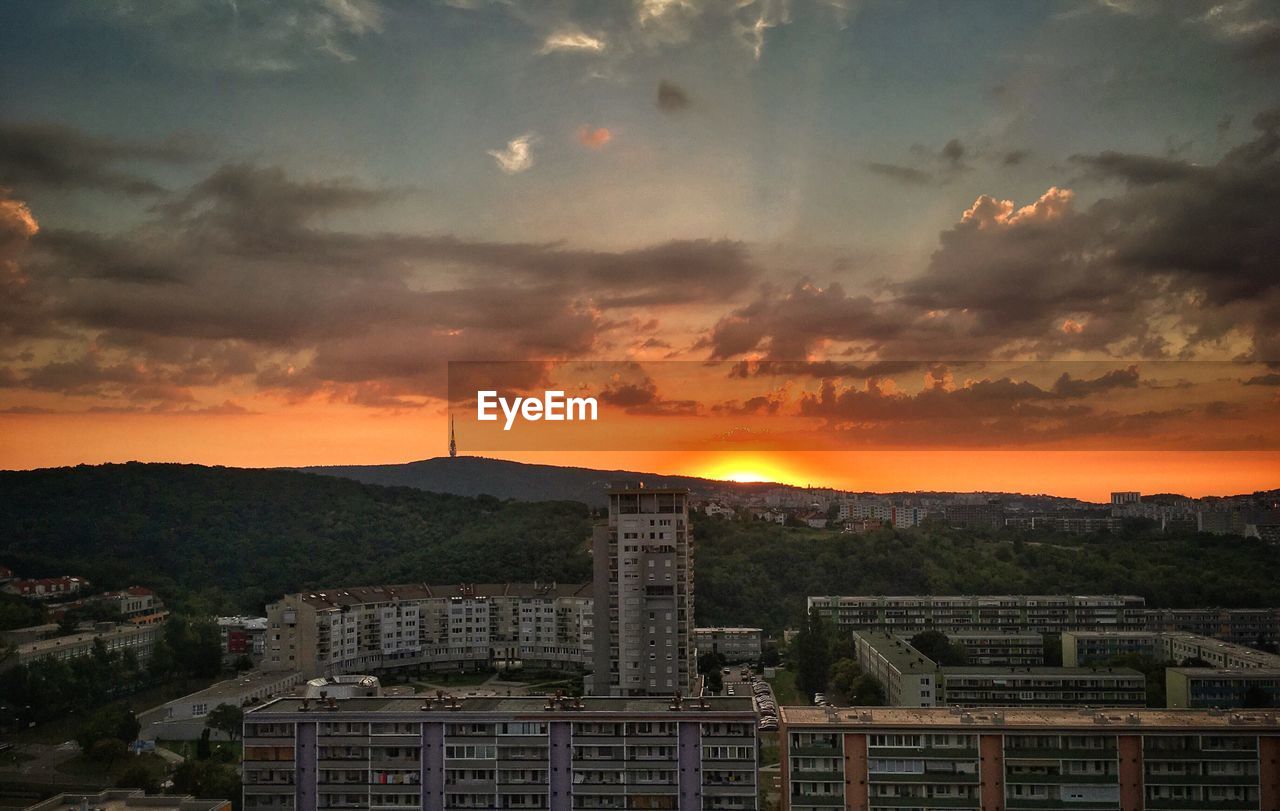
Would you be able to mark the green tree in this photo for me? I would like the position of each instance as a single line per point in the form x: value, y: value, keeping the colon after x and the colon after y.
x: 208, y: 779
x: 203, y: 747
x: 111, y: 722
x: 936, y: 646
x: 813, y: 658
x: 226, y: 718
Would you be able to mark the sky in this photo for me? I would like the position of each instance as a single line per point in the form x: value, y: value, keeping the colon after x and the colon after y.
x: 1026, y: 246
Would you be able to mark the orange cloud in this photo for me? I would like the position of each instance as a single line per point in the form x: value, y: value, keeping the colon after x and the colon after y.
x: 594, y: 138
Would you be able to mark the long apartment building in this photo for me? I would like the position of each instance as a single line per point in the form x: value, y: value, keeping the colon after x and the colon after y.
x: 911, y: 679
x: 963, y: 613
x: 643, y: 588
x: 138, y: 640
x: 1209, y: 687
x: 372, y: 629
x: 888, y: 759
x: 734, y: 644
x: 997, y: 648
x: 440, y: 754
x: 1084, y: 647
x: 1243, y: 626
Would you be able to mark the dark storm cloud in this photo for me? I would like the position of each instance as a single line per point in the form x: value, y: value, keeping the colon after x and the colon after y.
x: 930, y: 167
x: 255, y: 265
x: 672, y: 98
x: 902, y: 174
x: 57, y: 157
x: 1014, y: 157
x: 641, y: 397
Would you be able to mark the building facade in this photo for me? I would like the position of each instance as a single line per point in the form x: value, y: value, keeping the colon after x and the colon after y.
x: 643, y: 589
x: 374, y: 629
x: 501, y: 753
x: 735, y: 644
x: 1208, y: 687
x: 139, y: 640
x: 1005, y: 613
x: 1043, y: 686
x: 1243, y: 626
x: 994, y: 648
x: 909, y: 678
x: 887, y: 759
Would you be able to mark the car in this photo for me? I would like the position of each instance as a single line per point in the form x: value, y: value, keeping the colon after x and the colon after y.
x: 725, y: 671
x: 730, y: 691
x: 767, y: 725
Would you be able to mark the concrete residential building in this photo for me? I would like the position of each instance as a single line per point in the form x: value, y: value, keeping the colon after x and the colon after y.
x: 735, y: 644
x: 372, y: 629
x: 1206, y: 687
x: 1080, y: 648
x: 243, y: 636
x: 1086, y: 647
x: 1043, y: 686
x: 885, y: 759
x: 1244, y: 626
x: 643, y: 588
x: 137, y: 639
x: 993, y: 648
x: 1179, y: 647
x: 183, y: 719
x: 530, y: 753
x: 1012, y: 613
x: 909, y: 678
x: 128, y: 799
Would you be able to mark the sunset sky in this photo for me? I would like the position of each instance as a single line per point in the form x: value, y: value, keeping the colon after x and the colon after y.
x: 1023, y: 246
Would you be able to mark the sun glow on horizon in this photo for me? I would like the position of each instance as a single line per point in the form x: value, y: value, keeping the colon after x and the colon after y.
x: 747, y: 469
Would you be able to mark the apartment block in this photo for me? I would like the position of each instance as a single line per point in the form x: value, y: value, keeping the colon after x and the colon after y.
x: 1243, y: 626
x: 909, y: 678
x: 372, y: 629
x: 1080, y: 648
x: 643, y: 589
x: 735, y: 644
x: 1085, y: 647
x: 1207, y: 687
x: 994, y: 648
x: 126, y: 638
x: 438, y: 754
x: 243, y: 636
x: 887, y: 759
x: 1043, y: 686
x: 1006, y: 613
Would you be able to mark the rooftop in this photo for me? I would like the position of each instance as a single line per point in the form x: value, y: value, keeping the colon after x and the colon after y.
x: 513, y: 705
x: 898, y: 652
x: 121, y: 799
x: 240, y: 685
x: 1031, y: 719
x: 1043, y: 671
x: 1229, y: 672
x: 359, y: 595
x: 724, y: 629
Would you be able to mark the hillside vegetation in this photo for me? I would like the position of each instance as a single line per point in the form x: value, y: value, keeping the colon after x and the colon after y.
x: 230, y: 540
x: 235, y: 538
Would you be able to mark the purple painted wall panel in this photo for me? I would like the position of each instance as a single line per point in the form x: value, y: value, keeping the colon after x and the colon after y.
x: 690, y: 764
x: 561, y: 776
x: 305, y: 775
x: 433, y: 766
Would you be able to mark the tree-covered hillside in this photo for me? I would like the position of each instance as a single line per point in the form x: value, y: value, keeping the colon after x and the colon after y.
x: 759, y: 573
x: 238, y: 538
x: 231, y: 540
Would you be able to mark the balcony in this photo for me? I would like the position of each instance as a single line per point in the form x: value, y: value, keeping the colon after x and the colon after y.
x: 825, y: 801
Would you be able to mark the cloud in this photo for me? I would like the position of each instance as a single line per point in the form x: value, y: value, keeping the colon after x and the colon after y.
x: 1178, y: 262
x: 52, y: 156
x: 641, y: 397
x: 1014, y: 157
x: 518, y: 155
x: 572, y: 39
x: 258, y: 279
x: 1269, y: 379
x: 931, y: 168
x: 902, y: 174
x: 248, y: 35
x: 594, y: 138
x: 671, y: 97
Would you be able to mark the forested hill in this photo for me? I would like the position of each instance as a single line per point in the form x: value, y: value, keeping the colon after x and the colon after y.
x: 230, y: 540
x: 243, y: 537
x: 476, y: 475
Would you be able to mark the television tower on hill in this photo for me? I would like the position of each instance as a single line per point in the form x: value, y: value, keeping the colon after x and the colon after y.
x: 453, y: 440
